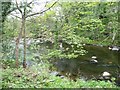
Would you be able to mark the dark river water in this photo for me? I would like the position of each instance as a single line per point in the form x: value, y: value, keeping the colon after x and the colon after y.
x: 106, y: 60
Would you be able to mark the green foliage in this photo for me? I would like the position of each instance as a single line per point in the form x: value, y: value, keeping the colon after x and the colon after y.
x: 5, y: 8
x: 10, y: 29
x: 64, y: 83
x: 76, y: 23
x: 7, y: 50
x: 24, y: 78
x: 91, y: 20
x: 8, y: 63
x: 71, y: 23
x: 39, y: 77
x: 59, y: 54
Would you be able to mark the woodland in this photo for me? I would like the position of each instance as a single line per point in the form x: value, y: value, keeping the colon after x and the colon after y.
x: 34, y: 43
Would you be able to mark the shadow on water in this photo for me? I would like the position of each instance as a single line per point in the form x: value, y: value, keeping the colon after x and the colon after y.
x: 99, y: 59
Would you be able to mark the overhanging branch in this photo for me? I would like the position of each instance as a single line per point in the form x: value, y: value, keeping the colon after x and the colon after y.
x: 18, y: 7
x: 41, y: 11
x: 15, y: 8
x: 16, y: 16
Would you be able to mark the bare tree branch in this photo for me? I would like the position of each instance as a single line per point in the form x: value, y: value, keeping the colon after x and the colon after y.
x: 30, y: 3
x: 45, y: 4
x: 18, y: 7
x: 42, y: 11
x: 16, y: 16
x: 15, y: 8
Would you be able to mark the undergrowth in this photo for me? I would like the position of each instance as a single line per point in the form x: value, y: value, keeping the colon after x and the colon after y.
x: 38, y: 76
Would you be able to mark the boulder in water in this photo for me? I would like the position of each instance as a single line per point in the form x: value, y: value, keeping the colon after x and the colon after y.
x: 114, y: 48
x: 94, y: 59
x: 55, y: 73
x: 106, y: 74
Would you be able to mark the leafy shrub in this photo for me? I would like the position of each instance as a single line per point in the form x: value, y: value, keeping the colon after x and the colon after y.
x: 39, y: 77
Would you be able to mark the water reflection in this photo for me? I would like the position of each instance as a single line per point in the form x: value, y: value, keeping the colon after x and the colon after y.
x: 98, y: 60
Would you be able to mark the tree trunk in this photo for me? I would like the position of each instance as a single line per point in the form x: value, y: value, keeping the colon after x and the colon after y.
x: 16, y: 52
x: 24, y: 16
x: 17, y: 44
x: 24, y: 32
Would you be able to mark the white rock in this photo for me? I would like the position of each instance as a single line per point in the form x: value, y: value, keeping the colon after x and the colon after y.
x: 62, y: 76
x: 93, y: 57
x: 115, y: 48
x: 54, y: 73
x: 106, y: 74
x: 109, y: 48
x: 94, y: 61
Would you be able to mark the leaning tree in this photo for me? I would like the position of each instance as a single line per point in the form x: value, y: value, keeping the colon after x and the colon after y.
x: 25, y: 13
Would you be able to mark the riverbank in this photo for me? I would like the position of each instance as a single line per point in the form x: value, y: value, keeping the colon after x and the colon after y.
x: 38, y: 76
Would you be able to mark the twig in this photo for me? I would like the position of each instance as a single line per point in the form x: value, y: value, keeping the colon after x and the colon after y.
x: 18, y: 7
x: 15, y: 16
x: 42, y: 11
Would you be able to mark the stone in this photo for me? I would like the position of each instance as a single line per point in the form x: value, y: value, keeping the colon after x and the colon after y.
x: 54, y: 73
x: 106, y: 74
x: 93, y: 61
x: 115, y: 48
x: 93, y: 57
x: 62, y: 76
